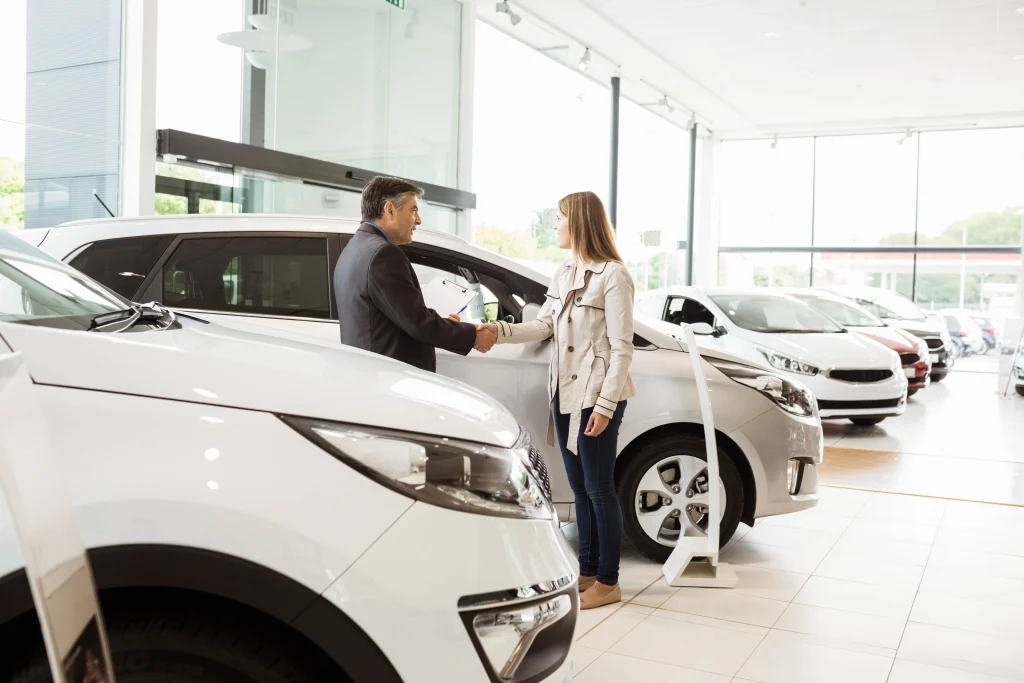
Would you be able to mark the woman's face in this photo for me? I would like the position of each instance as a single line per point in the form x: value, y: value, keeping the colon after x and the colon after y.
x: 562, y: 230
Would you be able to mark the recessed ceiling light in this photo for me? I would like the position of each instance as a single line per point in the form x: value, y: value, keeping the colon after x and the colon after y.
x: 1020, y: 10
x: 1019, y: 57
x: 771, y: 34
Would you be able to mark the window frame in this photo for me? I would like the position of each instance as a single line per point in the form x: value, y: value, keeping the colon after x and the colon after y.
x: 153, y: 289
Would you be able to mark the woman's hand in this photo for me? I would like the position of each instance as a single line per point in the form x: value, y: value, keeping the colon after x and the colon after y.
x: 597, y: 424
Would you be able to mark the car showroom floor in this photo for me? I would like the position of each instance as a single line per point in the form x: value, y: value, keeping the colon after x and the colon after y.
x: 868, y: 587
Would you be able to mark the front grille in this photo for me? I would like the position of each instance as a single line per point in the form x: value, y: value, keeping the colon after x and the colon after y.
x: 540, y: 471
x: 909, y: 358
x: 933, y: 342
x: 858, y: 405
x: 860, y: 376
x: 1020, y: 373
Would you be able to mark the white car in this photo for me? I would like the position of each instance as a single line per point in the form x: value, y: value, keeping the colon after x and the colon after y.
x: 272, y: 511
x: 275, y: 272
x: 850, y: 375
x: 1018, y: 370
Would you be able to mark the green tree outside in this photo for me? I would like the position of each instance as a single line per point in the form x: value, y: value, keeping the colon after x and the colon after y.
x: 12, y: 194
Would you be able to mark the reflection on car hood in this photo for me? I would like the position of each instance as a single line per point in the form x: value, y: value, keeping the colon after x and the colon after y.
x: 890, y: 337
x: 208, y: 363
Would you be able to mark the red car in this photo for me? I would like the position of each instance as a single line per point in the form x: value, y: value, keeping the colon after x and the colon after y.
x: 917, y: 364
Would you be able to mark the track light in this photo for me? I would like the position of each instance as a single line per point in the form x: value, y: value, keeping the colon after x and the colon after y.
x: 904, y: 138
x: 584, y: 60
x: 775, y: 142
x: 664, y: 102
x: 505, y: 8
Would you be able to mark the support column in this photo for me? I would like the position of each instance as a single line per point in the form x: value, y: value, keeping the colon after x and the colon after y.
x: 138, y: 150
x: 467, y: 70
x: 613, y: 167
x: 691, y: 205
x: 705, y: 202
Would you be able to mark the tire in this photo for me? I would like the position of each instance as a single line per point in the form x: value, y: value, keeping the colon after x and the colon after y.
x: 647, y: 458
x: 175, y: 641
x: 911, y: 392
x: 939, y: 377
x: 1020, y: 390
x: 866, y: 421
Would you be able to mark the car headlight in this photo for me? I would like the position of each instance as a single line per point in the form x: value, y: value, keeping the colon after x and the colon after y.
x: 897, y: 364
x: 459, y: 475
x: 777, y: 360
x: 791, y: 396
x: 922, y: 349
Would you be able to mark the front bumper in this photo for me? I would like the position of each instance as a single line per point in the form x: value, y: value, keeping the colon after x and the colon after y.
x: 412, y: 591
x: 838, y: 399
x: 771, y: 441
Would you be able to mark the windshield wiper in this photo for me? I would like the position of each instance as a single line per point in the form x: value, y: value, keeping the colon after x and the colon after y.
x: 129, y: 317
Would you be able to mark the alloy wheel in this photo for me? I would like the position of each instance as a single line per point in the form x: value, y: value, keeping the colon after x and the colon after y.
x: 672, y: 498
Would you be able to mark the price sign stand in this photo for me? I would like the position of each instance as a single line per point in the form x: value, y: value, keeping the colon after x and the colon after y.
x: 694, y: 560
x: 32, y: 484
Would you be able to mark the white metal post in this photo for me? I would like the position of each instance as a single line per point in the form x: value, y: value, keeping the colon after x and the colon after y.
x: 467, y: 69
x: 138, y: 109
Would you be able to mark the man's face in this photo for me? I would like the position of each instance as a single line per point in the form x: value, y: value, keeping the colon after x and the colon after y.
x: 403, y: 221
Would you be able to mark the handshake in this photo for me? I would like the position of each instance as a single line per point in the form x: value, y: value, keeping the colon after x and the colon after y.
x: 486, y: 334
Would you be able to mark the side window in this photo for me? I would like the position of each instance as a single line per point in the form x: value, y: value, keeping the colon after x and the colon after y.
x: 652, y: 306
x: 285, y: 276
x: 689, y: 311
x: 122, y: 264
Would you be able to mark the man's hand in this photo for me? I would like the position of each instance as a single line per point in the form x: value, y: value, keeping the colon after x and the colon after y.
x: 597, y: 424
x: 454, y: 318
x: 486, y: 337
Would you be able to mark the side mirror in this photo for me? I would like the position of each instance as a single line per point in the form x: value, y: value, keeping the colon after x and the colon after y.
x: 530, y: 312
x: 703, y: 330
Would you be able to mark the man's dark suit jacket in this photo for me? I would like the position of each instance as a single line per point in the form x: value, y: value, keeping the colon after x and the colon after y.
x: 380, y: 304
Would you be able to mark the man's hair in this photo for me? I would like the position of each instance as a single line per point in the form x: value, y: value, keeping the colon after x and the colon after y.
x: 383, y: 189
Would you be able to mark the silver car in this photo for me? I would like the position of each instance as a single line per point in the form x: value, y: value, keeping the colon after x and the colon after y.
x: 275, y: 272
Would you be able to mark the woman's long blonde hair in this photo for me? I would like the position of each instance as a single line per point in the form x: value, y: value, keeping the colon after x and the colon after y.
x: 591, y: 236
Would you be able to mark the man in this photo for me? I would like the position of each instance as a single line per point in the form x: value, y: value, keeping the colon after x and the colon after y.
x: 380, y: 304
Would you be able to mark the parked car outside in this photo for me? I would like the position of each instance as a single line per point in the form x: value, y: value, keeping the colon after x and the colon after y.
x: 262, y: 510
x: 275, y: 272
x: 850, y: 375
x: 964, y: 332
x: 899, y: 311
x: 988, y: 330
x: 913, y: 351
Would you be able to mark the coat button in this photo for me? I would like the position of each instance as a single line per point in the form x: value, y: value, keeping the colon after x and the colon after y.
x: 570, y: 319
x: 574, y: 376
x: 579, y: 299
x: 570, y: 349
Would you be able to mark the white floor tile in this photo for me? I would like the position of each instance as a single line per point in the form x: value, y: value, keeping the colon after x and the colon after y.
x: 611, y: 630
x: 589, y: 619
x: 863, y: 598
x: 768, y: 583
x: 843, y: 627
x: 813, y: 520
x: 841, y: 502
x: 890, y: 551
x: 656, y: 594
x: 1007, y: 542
x: 850, y: 566
x: 737, y: 626
x: 841, y: 643
x: 915, y: 672
x: 582, y: 657
x: 774, y: 557
x: 725, y: 604
x: 792, y: 537
x: 613, y: 668
x: 949, y: 556
x: 973, y: 516
x: 872, y: 442
x: 635, y: 578
x: 779, y: 659
x: 905, y: 509
x: 964, y: 650
x: 973, y: 585
x: 995, y: 618
x: 638, y: 609
x: 892, y: 530
x: 705, y: 648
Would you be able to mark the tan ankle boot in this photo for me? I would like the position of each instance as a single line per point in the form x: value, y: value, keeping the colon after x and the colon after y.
x: 591, y: 598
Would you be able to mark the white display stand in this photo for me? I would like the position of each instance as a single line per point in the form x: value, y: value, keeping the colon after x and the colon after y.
x: 694, y: 560
x: 57, y: 568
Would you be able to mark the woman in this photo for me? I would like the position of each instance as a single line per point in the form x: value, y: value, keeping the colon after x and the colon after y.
x: 589, y: 314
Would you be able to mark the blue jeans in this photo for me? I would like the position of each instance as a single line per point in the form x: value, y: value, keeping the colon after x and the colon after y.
x: 592, y: 479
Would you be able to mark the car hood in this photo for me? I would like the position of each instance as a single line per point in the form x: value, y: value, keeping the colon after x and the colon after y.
x: 920, y: 328
x: 838, y: 350
x: 212, y: 364
x: 889, y: 337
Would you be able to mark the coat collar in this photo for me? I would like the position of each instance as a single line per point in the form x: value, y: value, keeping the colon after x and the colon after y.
x: 590, y: 267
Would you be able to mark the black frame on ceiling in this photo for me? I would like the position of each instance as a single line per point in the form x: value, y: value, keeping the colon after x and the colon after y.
x: 238, y: 156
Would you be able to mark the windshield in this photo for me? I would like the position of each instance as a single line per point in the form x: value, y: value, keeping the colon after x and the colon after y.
x: 846, y: 314
x: 895, y: 306
x: 774, y: 314
x: 35, y: 293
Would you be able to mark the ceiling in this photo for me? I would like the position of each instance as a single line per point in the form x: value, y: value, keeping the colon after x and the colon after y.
x: 759, y: 68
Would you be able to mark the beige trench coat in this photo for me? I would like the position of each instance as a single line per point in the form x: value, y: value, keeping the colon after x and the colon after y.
x: 592, y: 328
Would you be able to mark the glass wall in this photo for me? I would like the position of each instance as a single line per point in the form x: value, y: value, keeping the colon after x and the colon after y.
x: 937, y: 189
x: 541, y: 131
x: 59, y: 110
